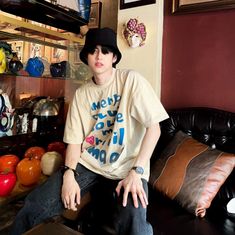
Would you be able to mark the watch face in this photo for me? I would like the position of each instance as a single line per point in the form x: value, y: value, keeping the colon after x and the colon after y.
x: 139, y: 170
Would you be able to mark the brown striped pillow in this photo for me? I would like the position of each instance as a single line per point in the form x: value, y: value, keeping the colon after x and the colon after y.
x: 191, y: 172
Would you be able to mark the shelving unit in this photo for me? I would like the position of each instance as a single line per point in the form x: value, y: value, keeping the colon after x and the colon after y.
x: 37, y: 30
x: 51, y: 39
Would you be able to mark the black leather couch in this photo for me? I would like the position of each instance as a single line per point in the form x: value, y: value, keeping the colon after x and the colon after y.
x: 215, y: 128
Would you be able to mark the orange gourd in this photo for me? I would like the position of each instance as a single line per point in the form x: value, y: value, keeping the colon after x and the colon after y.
x: 34, y: 152
x: 28, y: 171
x: 8, y: 163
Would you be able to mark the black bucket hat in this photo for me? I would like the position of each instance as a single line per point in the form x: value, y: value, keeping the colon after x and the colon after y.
x: 103, y: 37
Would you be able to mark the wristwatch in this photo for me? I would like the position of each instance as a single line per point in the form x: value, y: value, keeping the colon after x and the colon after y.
x: 138, y: 169
x: 65, y: 168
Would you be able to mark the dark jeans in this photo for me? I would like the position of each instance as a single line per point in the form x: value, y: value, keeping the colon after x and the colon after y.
x: 45, y: 202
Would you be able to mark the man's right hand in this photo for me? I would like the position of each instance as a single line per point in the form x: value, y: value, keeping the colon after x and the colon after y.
x: 70, y: 191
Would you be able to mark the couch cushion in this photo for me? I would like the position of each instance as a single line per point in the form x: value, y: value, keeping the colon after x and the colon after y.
x: 191, y: 172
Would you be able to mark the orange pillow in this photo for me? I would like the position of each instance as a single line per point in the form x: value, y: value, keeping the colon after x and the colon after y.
x: 191, y: 172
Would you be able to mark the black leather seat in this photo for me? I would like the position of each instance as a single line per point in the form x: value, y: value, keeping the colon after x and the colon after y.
x: 211, y: 126
x: 215, y: 128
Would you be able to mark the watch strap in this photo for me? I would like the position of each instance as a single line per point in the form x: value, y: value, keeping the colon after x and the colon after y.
x: 138, y: 169
x: 65, y: 168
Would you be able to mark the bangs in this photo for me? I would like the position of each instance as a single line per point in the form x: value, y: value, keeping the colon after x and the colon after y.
x: 104, y: 49
x: 107, y: 49
x: 90, y: 49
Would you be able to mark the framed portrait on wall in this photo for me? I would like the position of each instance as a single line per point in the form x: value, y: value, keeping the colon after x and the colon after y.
x: 36, y: 50
x: 18, y: 48
x: 59, y: 54
x: 124, y: 4
x: 95, y: 15
x: 193, y: 6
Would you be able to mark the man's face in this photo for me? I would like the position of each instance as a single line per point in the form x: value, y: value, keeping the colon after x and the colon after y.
x: 101, y: 60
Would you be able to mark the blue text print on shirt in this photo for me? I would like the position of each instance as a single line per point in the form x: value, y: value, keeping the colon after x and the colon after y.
x: 103, y: 134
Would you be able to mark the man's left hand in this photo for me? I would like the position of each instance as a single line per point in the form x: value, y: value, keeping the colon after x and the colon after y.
x: 133, y: 184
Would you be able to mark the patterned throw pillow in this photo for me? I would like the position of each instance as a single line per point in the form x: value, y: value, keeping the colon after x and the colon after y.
x: 191, y: 173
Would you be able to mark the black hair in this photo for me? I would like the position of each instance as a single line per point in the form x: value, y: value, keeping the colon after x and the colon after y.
x: 104, y: 49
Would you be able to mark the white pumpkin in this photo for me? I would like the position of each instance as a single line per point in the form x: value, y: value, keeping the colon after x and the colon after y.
x: 50, y: 162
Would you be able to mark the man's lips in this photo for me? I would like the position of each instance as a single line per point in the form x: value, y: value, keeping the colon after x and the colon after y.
x: 98, y: 64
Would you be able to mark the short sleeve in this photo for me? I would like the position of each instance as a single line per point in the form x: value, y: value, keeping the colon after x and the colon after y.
x: 146, y: 107
x: 73, y: 133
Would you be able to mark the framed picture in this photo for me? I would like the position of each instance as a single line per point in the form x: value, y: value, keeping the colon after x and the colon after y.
x: 192, y: 6
x: 36, y: 50
x: 95, y: 15
x: 18, y: 48
x: 57, y: 54
x: 124, y: 4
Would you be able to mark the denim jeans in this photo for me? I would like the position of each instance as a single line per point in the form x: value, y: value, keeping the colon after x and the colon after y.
x: 45, y: 202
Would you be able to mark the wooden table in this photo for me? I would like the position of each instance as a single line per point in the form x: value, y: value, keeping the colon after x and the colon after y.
x: 20, y: 191
x: 52, y: 229
x: 10, y: 205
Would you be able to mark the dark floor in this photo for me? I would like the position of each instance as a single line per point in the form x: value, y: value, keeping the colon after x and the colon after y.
x: 86, y: 225
x: 7, y: 215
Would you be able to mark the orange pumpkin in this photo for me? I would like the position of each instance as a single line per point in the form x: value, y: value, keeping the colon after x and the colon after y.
x: 56, y: 146
x: 28, y: 171
x: 8, y: 163
x: 34, y: 152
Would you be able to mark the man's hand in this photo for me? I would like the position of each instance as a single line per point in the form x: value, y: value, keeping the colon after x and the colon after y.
x: 70, y: 191
x: 133, y: 184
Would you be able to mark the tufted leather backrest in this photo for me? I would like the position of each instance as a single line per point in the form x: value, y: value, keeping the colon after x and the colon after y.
x: 213, y: 127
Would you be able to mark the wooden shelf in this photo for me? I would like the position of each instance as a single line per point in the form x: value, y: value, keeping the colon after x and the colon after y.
x: 42, y: 30
x: 45, y: 12
x: 38, y: 86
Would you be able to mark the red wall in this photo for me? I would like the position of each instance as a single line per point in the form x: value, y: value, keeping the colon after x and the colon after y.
x: 199, y: 59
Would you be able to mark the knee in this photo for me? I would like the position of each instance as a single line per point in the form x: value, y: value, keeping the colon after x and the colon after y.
x: 131, y: 212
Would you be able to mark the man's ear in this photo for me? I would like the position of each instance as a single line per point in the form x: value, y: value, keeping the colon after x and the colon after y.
x: 114, y: 59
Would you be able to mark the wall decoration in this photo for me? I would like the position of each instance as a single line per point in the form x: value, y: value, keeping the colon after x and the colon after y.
x: 192, y: 6
x: 17, y: 47
x: 36, y: 50
x: 124, y: 4
x: 3, y: 61
x: 134, y: 33
x: 58, y: 55
x: 95, y: 15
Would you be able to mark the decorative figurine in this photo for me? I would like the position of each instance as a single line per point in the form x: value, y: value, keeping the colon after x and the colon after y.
x: 3, y: 61
x: 6, y: 115
x: 5, y: 55
x: 134, y: 33
x: 15, y: 64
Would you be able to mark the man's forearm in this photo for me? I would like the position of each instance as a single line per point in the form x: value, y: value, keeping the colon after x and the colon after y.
x: 73, y: 153
x: 148, y: 144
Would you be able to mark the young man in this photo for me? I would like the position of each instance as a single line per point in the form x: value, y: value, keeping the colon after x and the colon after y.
x: 111, y: 130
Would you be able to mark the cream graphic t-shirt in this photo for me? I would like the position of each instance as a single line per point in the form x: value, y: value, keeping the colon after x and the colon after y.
x: 110, y: 122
